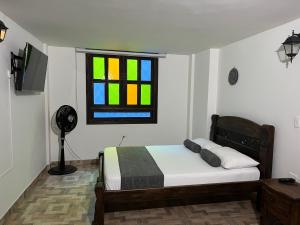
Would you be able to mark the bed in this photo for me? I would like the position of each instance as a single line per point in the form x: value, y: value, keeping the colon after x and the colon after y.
x: 182, y: 185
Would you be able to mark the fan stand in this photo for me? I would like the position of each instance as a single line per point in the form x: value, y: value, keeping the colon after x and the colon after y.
x: 62, y: 168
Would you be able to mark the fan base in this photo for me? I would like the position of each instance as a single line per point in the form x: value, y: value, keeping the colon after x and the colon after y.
x: 57, y: 171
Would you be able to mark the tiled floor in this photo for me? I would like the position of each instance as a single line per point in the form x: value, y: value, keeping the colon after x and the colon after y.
x: 69, y: 200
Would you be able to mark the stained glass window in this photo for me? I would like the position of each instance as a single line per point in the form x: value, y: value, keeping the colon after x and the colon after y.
x: 145, y: 94
x: 114, y: 94
x: 113, y: 69
x: 99, y: 94
x: 145, y: 70
x: 132, y: 69
x: 98, y: 68
x: 121, y: 89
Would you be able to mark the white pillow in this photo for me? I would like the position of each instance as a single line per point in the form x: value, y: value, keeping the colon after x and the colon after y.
x: 205, y: 143
x: 232, y: 159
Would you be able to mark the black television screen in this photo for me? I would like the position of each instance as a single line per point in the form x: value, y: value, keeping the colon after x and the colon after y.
x: 32, y: 75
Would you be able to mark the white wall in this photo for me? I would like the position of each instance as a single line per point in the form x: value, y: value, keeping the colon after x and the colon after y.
x: 200, y: 94
x: 204, y: 91
x: 88, y: 140
x: 267, y: 91
x: 22, y: 124
x: 212, y: 86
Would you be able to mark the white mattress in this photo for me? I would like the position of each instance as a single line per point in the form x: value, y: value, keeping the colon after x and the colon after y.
x: 180, y: 166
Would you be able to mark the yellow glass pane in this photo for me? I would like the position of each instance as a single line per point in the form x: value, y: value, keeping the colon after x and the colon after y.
x: 2, y: 34
x: 131, y: 94
x: 113, y: 69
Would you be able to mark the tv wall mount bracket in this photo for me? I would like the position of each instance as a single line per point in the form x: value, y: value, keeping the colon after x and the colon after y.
x: 13, y: 63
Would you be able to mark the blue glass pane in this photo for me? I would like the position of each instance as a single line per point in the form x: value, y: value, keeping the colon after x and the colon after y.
x: 99, y: 93
x: 122, y: 114
x: 146, y: 70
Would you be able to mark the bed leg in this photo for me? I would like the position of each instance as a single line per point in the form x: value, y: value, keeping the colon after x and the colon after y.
x: 99, y: 205
x: 258, y: 200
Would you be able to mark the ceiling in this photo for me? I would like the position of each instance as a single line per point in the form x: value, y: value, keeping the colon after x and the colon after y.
x: 167, y: 26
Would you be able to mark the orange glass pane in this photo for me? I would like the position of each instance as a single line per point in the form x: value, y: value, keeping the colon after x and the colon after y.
x: 113, y: 69
x: 131, y: 94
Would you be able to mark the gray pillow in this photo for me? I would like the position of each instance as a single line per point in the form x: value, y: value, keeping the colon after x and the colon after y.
x: 211, y: 158
x: 192, y: 146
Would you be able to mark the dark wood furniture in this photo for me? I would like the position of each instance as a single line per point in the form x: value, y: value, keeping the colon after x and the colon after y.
x: 280, y: 203
x: 244, y: 135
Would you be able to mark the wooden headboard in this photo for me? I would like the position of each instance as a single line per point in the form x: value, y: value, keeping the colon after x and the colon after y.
x: 247, y: 137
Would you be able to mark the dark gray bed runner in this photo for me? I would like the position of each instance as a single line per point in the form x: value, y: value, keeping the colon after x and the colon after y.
x: 138, y: 169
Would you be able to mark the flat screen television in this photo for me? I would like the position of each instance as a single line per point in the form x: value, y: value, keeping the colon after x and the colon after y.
x: 32, y: 73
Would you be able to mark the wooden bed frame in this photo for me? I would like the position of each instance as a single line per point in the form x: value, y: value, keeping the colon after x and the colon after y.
x: 243, y: 135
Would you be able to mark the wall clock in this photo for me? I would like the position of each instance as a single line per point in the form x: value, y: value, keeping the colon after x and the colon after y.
x: 233, y: 76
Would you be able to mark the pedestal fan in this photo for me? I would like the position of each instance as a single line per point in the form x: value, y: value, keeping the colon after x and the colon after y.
x: 65, y: 120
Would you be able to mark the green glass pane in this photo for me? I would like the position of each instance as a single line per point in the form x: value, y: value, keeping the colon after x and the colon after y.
x: 132, y: 69
x: 145, y: 94
x: 98, y: 68
x: 113, y: 94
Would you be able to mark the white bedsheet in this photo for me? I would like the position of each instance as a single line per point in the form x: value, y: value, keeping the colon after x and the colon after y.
x: 180, y: 166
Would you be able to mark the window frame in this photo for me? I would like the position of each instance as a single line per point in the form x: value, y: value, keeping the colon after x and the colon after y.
x: 122, y: 107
